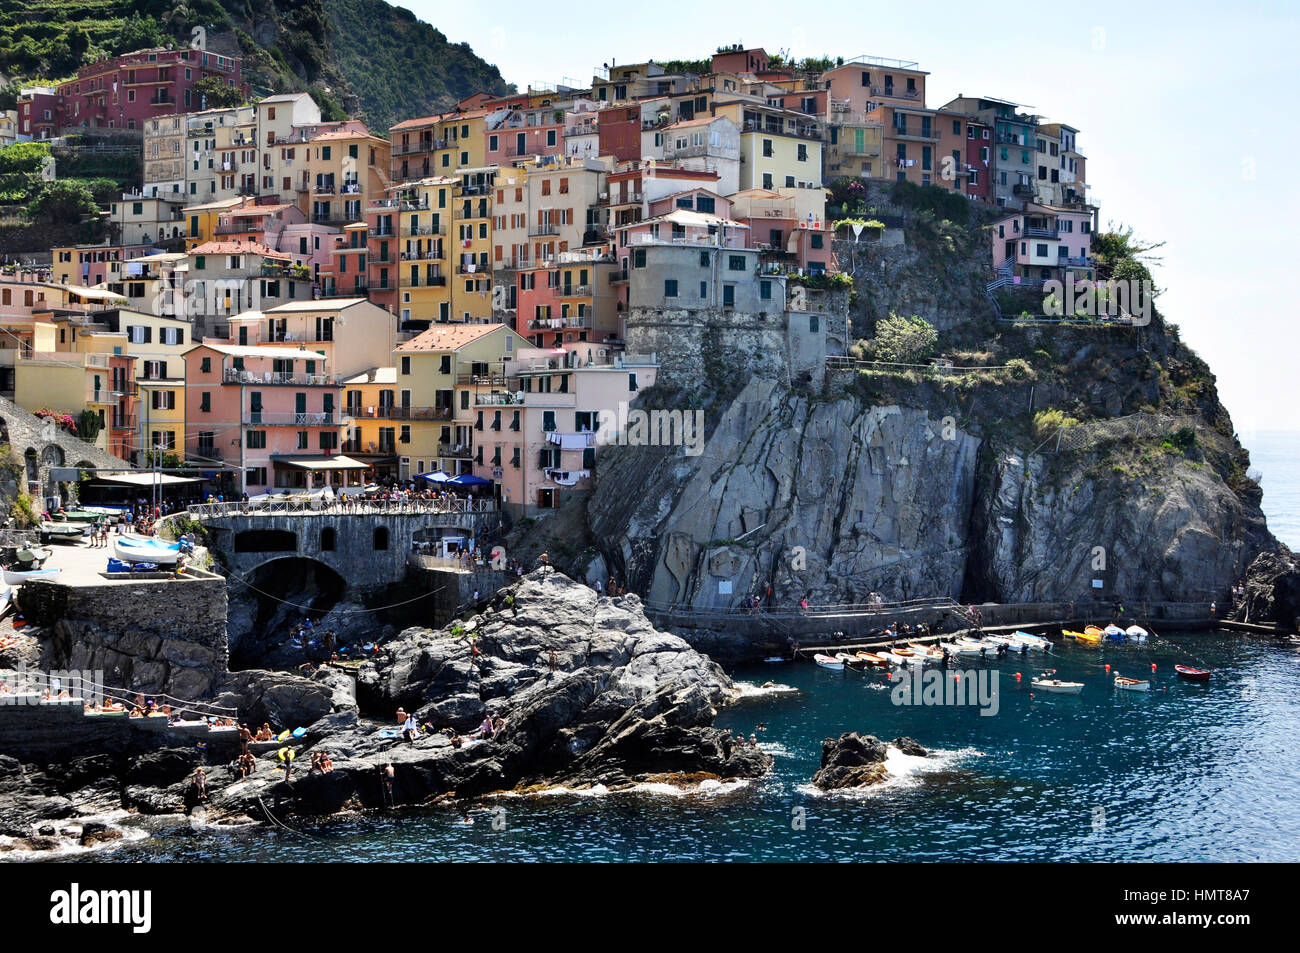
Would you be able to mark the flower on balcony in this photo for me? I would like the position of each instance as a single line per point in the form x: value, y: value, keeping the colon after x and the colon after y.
x: 66, y: 421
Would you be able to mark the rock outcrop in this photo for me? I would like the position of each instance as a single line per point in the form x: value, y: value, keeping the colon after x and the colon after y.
x: 858, y: 761
x: 1272, y: 591
x: 589, y: 693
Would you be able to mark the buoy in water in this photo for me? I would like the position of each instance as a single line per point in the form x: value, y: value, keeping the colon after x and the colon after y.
x: 1108, y: 667
x: 1017, y: 676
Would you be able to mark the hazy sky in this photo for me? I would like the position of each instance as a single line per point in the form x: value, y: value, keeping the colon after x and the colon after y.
x: 1185, y: 110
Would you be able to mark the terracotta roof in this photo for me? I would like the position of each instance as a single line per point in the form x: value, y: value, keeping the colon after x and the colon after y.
x: 237, y: 248
x: 448, y: 337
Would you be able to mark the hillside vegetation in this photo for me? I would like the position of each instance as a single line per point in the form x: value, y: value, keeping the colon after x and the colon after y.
x: 359, y: 57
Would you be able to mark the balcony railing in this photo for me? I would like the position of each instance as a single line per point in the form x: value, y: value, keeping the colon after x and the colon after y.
x: 236, y: 376
x: 300, y: 272
x: 410, y: 231
x: 264, y: 419
x: 434, y: 251
x: 477, y: 269
x: 397, y: 412
x: 575, y: 291
x: 537, y: 231
x: 1034, y: 232
x: 528, y: 399
x: 462, y: 451
x: 424, y: 281
x: 893, y: 92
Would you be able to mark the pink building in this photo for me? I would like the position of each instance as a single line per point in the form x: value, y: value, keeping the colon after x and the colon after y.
x: 270, y: 411
x: 536, y: 435
x: 1042, y: 243
x: 122, y: 92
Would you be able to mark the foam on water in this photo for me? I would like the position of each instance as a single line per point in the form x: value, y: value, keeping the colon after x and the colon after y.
x: 750, y: 690
x: 904, y: 771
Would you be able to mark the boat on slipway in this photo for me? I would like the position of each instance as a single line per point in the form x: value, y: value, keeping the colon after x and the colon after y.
x: 140, y: 549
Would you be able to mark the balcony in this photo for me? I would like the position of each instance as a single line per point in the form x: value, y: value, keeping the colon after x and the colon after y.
x: 476, y: 270
x: 398, y: 412
x: 540, y: 231
x: 388, y: 232
x: 618, y: 275
x: 357, y: 289
x: 233, y: 375
x: 424, y: 281
x: 1036, y: 232
x: 122, y: 422
x: 459, y: 451
x: 923, y: 134
x: 1024, y: 190
x: 432, y: 253
x: 893, y: 92
x: 414, y: 231
x: 575, y: 291
x: 526, y: 399
x: 264, y: 419
x: 296, y: 272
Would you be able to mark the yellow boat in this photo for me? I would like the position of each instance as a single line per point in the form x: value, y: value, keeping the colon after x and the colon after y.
x: 1084, y: 636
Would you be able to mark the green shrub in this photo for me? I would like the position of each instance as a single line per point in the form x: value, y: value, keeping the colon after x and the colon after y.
x: 903, y: 340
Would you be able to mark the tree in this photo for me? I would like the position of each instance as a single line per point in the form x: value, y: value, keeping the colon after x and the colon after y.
x: 214, y: 93
x: 138, y: 33
x: 63, y: 202
x: 901, y: 340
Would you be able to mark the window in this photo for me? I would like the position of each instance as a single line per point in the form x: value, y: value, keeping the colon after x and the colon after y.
x: 548, y: 420
x: 255, y: 439
x: 767, y: 149
x: 735, y: 263
x: 765, y: 290
x: 205, y: 402
x: 670, y: 288
x: 302, y: 440
x: 406, y: 364
x: 255, y: 476
x: 638, y: 258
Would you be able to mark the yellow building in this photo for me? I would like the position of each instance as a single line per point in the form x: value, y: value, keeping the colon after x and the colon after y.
x: 373, y: 427
x: 424, y: 221
x: 779, y: 148
x: 201, y: 220
x: 471, y: 233
x: 346, y: 168
x: 435, y: 371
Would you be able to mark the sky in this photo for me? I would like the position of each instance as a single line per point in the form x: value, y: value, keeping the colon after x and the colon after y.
x: 1185, y: 114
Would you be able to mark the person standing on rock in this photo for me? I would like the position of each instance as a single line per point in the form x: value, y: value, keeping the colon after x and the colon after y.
x: 200, y: 783
x: 544, y: 563
x: 410, y: 729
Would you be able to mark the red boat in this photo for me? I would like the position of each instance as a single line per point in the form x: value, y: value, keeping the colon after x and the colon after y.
x: 1194, y: 674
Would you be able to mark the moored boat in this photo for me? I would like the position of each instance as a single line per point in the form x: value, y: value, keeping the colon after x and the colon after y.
x: 1090, y: 636
x: 1035, y: 642
x: 1114, y: 632
x: 1136, y: 633
x: 1132, y: 684
x: 1057, y: 686
x: 1193, y: 674
x: 870, y: 658
x: 827, y: 661
x: 925, y: 651
x: 963, y: 647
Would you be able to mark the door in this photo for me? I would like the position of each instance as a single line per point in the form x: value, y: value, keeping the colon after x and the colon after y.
x: 300, y: 408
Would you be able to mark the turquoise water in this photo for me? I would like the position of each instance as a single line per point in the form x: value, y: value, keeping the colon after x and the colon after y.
x: 1276, y: 454
x: 1189, y: 772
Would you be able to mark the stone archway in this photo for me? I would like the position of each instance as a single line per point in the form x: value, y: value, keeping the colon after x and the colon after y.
x: 51, y: 456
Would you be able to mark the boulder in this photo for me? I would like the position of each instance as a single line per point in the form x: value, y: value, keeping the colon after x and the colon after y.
x: 851, y: 761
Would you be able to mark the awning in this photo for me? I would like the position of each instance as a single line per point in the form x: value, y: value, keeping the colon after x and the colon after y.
x: 436, y: 476
x: 469, y: 479
x: 321, y: 463
x: 144, y: 478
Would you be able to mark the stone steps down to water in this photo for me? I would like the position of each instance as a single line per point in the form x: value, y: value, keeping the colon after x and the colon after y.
x: 625, y: 703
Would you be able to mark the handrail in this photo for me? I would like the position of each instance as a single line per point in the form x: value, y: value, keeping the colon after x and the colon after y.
x: 302, y: 505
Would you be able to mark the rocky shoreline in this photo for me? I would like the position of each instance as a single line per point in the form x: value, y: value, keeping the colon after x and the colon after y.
x: 590, y: 693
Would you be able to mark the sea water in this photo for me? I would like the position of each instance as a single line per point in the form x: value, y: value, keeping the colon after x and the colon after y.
x: 1187, y: 772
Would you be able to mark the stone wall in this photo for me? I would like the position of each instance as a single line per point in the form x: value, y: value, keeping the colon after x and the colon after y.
x: 699, y: 345
x: 152, y: 637
x: 39, y: 444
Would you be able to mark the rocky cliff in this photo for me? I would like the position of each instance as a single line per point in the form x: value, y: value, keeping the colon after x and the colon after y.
x: 1048, y: 457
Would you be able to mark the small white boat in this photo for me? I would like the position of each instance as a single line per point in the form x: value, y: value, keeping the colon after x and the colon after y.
x: 1034, y: 642
x: 1132, y: 684
x: 1057, y: 686
x: 976, y: 647
x: 141, y: 550
x: 17, y: 578
x: 1011, y: 642
x: 962, y: 647
x: 926, y: 652
x: 827, y: 661
x: 1136, y: 633
x: 893, y: 658
x: 1114, y: 632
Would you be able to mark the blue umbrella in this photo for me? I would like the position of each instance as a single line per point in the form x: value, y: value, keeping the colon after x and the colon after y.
x: 469, y: 479
x: 436, y: 476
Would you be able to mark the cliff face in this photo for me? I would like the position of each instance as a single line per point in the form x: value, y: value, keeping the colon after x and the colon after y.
x: 925, y: 485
